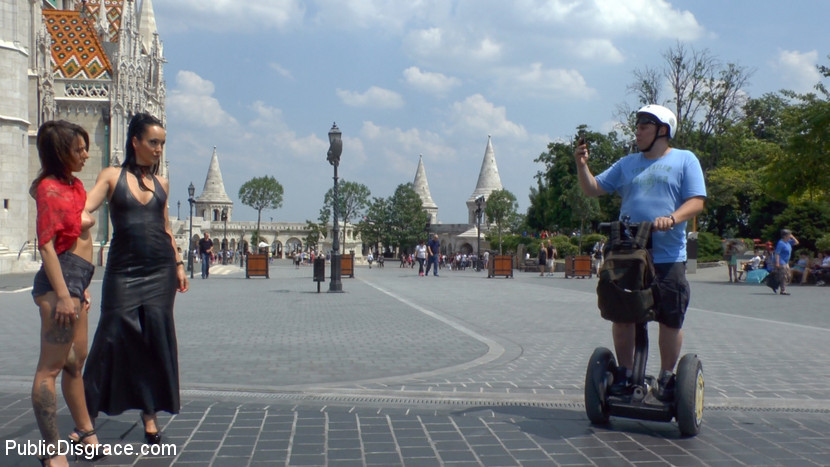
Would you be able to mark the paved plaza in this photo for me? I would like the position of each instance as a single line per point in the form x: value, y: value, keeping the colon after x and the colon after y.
x: 450, y: 370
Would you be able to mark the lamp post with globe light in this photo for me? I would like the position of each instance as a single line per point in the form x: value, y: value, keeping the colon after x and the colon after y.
x: 191, y: 190
x: 333, y: 156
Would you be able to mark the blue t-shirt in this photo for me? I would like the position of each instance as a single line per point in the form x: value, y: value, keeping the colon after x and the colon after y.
x: 652, y: 188
x: 784, y: 250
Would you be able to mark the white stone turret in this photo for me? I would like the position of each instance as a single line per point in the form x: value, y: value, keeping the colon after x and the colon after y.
x: 422, y: 188
x: 213, y: 199
x: 147, y: 26
x: 488, y: 182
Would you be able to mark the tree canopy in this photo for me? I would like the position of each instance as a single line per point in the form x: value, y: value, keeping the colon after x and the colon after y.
x: 261, y: 193
x: 766, y: 160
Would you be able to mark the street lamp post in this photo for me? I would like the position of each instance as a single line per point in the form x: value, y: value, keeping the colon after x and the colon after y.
x: 191, y: 190
x: 479, y: 202
x: 333, y: 156
x: 225, y: 239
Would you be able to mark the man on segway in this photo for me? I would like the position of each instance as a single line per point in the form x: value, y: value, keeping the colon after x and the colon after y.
x: 665, y: 186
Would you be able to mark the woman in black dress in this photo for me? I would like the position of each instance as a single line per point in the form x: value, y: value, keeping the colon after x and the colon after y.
x: 133, y: 362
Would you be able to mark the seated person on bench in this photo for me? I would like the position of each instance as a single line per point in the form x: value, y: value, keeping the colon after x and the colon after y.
x: 751, y: 265
x: 801, y: 269
x: 821, y: 270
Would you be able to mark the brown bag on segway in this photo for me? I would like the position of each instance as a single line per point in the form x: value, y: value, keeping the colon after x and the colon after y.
x: 627, y: 291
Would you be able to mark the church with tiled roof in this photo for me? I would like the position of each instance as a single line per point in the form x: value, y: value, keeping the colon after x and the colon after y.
x: 92, y: 62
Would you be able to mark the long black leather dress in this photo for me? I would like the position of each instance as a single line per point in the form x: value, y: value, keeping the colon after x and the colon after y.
x: 133, y: 362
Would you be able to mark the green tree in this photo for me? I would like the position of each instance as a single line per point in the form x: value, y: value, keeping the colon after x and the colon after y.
x: 583, y: 207
x: 803, y: 168
x: 500, y: 209
x: 407, y: 217
x: 809, y: 221
x: 261, y: 193
x: 353, y: 199
x: 376, y: 226
x: 553, y: 205
x: 316, y: 232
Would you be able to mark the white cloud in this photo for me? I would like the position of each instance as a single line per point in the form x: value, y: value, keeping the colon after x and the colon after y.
x: 432, y: 83
x: 596, y: 50
x: 648, y: 18
x: 452, y: 46
x: 475, y: 115
x: 282, y: 71
x: 537, y: 81
x: 798, y: 69
x: 374, y: 97
x: 232, y: 15
x: 379, y: 14
x: 397, y: 150
x: 192, y: 101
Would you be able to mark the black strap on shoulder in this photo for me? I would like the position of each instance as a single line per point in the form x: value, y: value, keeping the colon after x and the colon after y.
x: 643, y: 234
x: 615, y: 234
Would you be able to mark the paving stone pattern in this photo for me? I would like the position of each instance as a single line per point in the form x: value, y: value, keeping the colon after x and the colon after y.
x: 454, y: 370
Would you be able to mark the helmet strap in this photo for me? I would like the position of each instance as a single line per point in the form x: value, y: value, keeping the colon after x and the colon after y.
x: 657, y: 136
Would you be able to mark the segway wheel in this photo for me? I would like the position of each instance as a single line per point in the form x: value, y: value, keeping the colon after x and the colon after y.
x: 600, y: 368
x: 689, y: 394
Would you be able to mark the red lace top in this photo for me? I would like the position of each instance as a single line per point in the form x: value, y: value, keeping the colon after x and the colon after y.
x: 59, y: 208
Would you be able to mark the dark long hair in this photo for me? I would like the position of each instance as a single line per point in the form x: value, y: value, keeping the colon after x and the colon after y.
x: 138, y: 127
x: 55, y: 139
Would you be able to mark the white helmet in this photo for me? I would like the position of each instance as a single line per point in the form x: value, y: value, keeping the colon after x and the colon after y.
x: 662, y: 115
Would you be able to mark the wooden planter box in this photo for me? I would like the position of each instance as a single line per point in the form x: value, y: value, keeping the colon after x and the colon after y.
x: 347, y: 265
x: 257, y: 265
x: 578, y: 266
x: 500, y: 265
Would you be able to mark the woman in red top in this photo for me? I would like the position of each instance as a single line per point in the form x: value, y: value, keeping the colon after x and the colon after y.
x: 60, y: 286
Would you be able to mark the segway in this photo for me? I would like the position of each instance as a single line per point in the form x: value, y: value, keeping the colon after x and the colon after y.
x: 638, y: 401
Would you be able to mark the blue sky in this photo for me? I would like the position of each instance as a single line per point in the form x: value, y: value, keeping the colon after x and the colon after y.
x: 264, y: 80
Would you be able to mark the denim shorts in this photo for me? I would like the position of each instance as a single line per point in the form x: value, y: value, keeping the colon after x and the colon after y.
x: 674, y: 293
x: 77, y: 273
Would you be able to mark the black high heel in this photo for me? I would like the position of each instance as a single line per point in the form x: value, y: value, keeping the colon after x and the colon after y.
x: 151, y: 438
x: 79, y: 452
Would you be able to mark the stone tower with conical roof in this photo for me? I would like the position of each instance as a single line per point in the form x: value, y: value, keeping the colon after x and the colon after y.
x: 214, y: 199
x: 422, y: 188
x: 488, y: 182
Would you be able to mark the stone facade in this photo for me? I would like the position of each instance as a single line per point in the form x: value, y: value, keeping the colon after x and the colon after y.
x: 95, y: 63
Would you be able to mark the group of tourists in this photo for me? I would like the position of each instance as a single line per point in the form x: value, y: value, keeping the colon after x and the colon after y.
x: 133, y: 361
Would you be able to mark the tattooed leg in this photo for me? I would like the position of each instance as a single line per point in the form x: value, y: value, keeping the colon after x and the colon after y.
x: 44, y: 403
x: 55, y: 344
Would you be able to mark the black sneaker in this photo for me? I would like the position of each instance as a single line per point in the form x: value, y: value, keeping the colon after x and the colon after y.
x: 665, y: 387
x: 622, y: 384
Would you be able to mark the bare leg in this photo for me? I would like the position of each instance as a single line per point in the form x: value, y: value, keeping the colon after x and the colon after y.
x: 670, y: 342
x: 623, y: 334
x: 55, y: 342
x: 72, y: 383
x: 150, y: 422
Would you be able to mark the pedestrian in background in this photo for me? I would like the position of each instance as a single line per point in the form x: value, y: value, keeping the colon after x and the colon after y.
x: 783, y: 252
x: 421, y: 256
x: 433, y: 255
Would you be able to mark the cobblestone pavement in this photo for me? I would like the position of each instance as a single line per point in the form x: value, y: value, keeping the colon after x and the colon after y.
x: 453, y: 370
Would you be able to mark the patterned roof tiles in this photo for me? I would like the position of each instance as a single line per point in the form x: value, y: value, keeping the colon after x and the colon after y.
x: 76, y: 51
x: 113, y: 14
